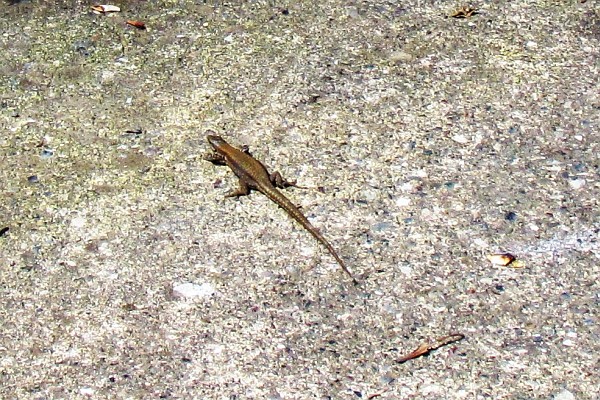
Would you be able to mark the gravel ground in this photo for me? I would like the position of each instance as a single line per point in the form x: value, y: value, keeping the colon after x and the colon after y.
x: 423, y: 143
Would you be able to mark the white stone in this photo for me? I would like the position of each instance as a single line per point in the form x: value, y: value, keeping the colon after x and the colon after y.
x: 462, y: 139
x: 531, y: 44
x: 564, y: 395
x: 403, y: 201
x: 406, y: 270
x: 577, y: 183
x: 86, y: 391
x: 78, y: 222
x: 534, y: 227
x: 191, y: 290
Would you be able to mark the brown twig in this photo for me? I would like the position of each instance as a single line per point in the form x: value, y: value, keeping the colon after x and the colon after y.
x: 427, y: 347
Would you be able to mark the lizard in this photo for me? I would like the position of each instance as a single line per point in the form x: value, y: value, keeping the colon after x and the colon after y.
x: 253, y: 175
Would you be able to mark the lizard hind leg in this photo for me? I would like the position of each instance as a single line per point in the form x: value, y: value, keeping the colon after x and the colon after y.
x: 242, y: 190
x: 245, y: 149
x: 279, y: 181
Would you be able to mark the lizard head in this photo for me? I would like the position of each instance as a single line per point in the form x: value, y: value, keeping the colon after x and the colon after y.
x: 215, y: 140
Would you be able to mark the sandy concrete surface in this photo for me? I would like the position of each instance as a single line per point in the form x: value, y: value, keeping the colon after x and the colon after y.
x: 423, y: 143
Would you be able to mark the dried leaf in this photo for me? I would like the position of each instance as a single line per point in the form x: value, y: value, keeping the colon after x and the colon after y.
x: 502, y: 259
x: 422, y: 349
x: 426, y: 347
x: 464, y: 12
x: 517, y: 264
x: 136, y: 24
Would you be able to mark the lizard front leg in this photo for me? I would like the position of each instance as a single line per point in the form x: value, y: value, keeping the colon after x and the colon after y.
x: 215, y: 158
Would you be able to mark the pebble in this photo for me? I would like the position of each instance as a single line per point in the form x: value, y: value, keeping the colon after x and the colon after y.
x: 191, y: 290
x: 403, y: 201
x: 531, y: 44
x: 577, y: 183
x: 462, y: 139
x: 399, y: 57
x: 46, y: 153
x: 564, y: 395
x: 78, y: 222
x: 510, y: 216
x: 86, y: 391
x: 352, y: 12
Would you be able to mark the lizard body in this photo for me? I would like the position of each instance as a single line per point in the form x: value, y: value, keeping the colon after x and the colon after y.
x: 253, y: 175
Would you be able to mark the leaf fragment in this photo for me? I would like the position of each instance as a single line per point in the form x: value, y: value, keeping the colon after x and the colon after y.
x: 136, y: 24
x: 502, y: 259
x: 464, y: 12
x: 426, y: 347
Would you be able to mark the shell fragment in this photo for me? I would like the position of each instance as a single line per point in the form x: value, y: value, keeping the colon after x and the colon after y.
x: 105, y: 8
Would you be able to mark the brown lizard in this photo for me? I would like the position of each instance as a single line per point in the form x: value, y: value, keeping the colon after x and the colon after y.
x: 253, y: 175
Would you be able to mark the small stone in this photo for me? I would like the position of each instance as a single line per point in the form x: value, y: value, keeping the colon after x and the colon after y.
x: 531, y: 44
x: 352, y: 12
x: 399, y: 57
x: 406, y: 270
x: 191, y: 290
x: 449, y: 185
x: 577, y: 184
x: 479, y: 242
x: 86, y: 391
x: 533, y: 227
x: 78, y: 222
x: 46, y: 153
x: 564, y: 395
x: 462, y: 139
x: 403, y: 201
x: 510, y: 216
